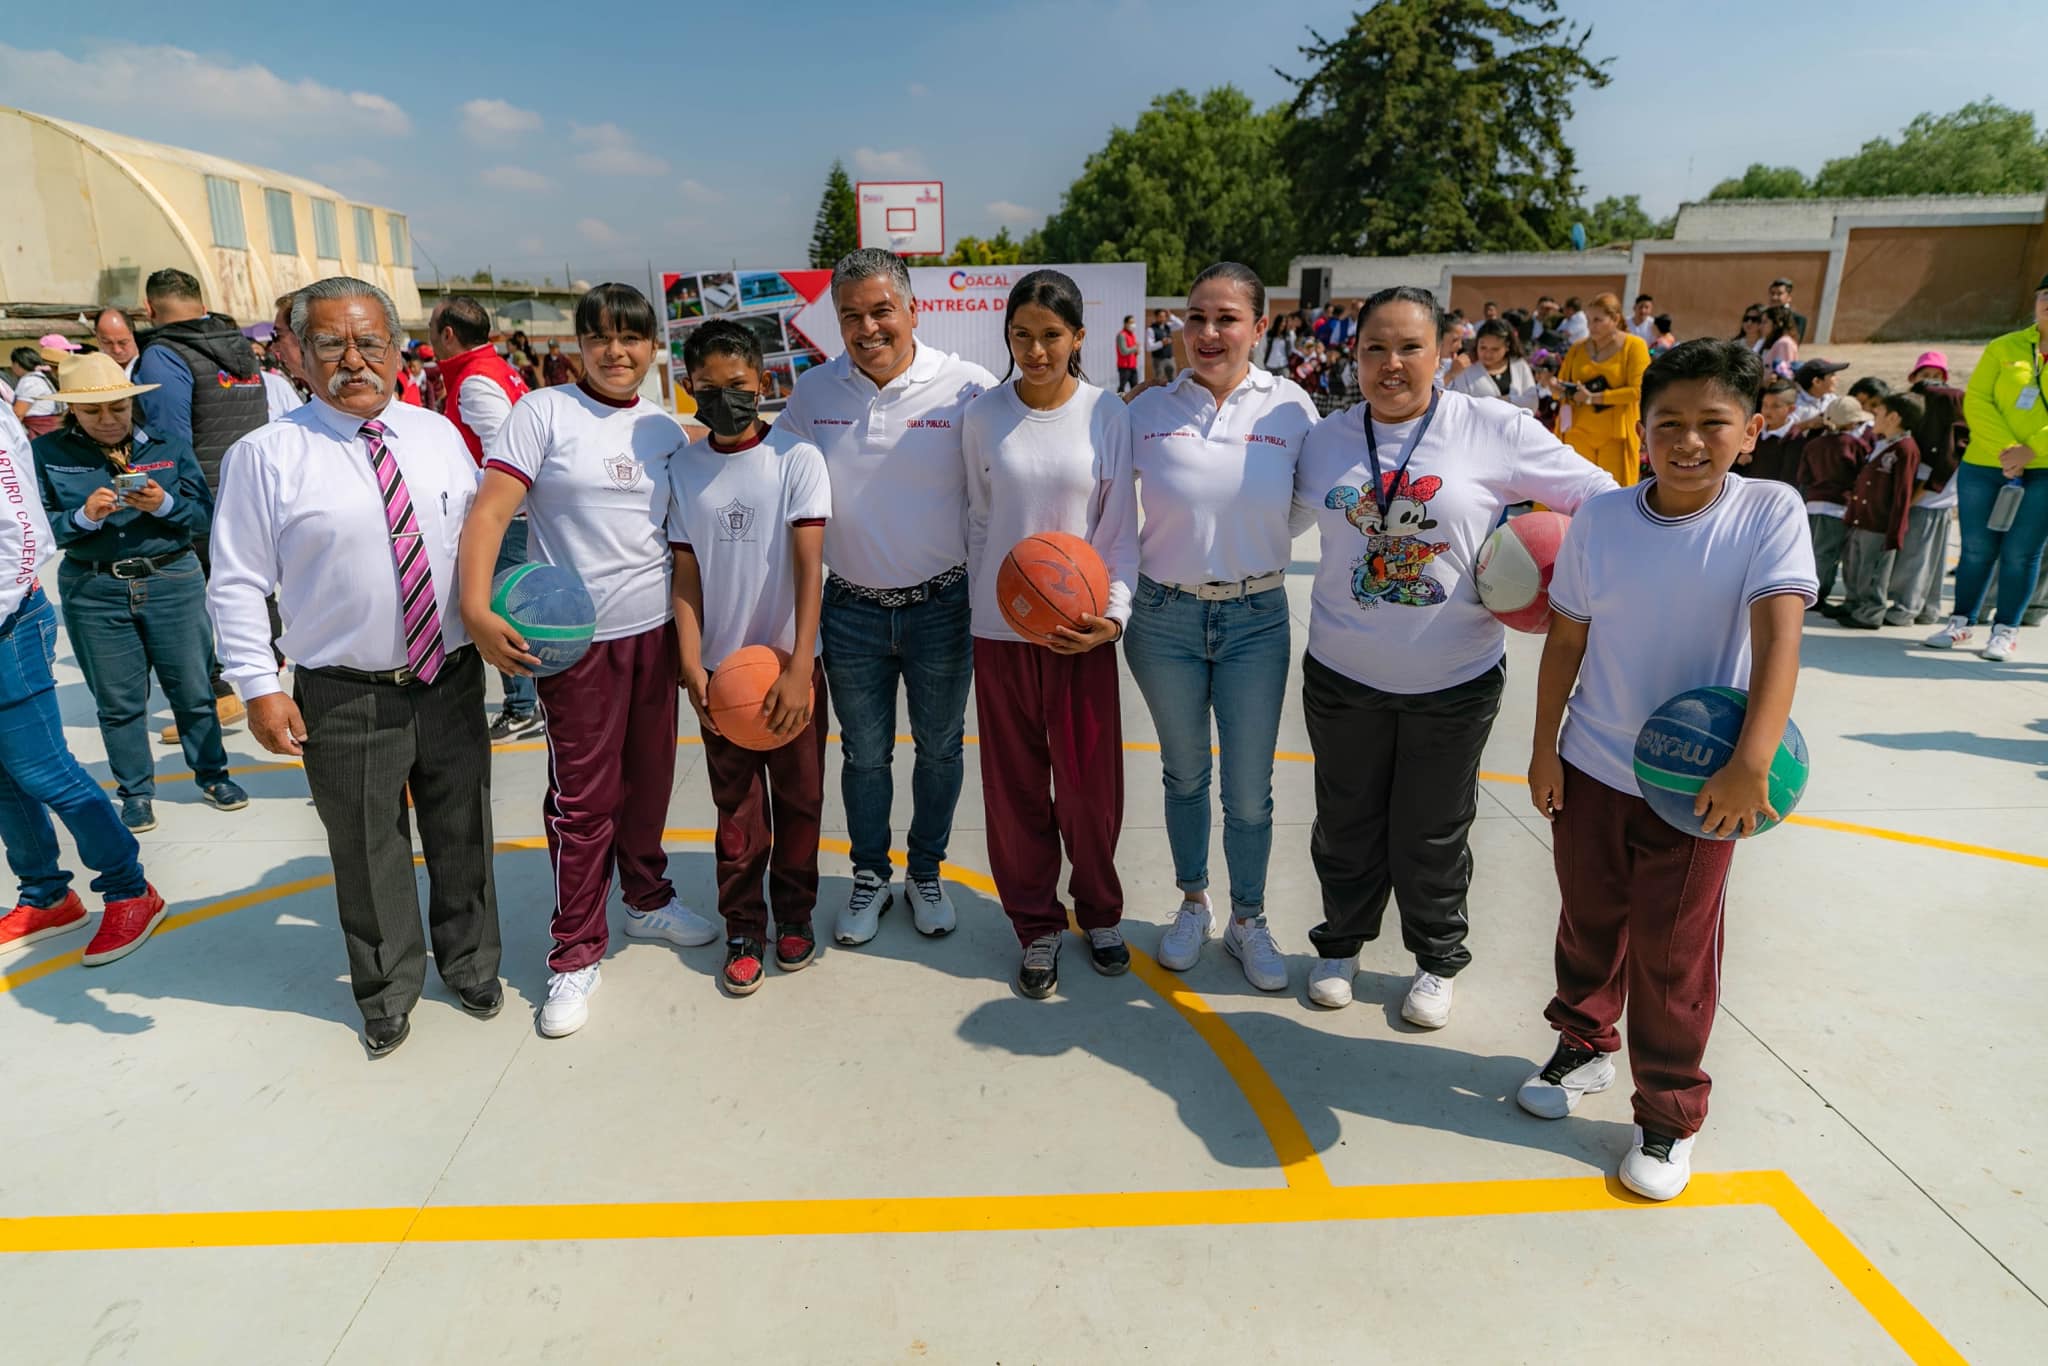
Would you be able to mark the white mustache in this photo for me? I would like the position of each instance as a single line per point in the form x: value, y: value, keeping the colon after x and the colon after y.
x: 341, y: 377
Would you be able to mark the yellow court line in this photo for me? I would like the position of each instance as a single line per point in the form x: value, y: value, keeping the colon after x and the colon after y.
x: 535, y: 1223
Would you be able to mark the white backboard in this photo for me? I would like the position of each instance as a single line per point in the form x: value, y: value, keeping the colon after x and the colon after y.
x: 907, y: 217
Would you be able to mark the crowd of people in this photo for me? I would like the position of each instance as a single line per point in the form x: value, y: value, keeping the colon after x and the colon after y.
x: 358, y: 534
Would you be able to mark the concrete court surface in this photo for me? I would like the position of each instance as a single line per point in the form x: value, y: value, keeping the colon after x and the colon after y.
x: 893, y: 1157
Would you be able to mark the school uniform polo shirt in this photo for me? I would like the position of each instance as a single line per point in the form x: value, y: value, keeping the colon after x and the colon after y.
x: 596, y: 476
x: 733, y: 510
x: 1216, y: 481
x: 899, y: 486
x: 1666, y: 601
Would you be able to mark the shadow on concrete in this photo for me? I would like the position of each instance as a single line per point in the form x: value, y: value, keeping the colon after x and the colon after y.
x: 2031, y: 752
x: 1899, y: 654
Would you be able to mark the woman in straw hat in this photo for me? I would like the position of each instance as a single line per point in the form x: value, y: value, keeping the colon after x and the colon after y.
x: 125, y: 508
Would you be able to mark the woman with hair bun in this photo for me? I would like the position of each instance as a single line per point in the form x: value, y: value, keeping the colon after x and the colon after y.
x: 1405, y: 666
x: 1602, y: 379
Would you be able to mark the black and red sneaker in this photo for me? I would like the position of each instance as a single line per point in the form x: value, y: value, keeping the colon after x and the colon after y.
x: 745, y: 965
x: 795, y: 947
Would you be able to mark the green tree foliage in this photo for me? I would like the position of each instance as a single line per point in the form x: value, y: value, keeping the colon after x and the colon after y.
x: 1982, y: 148
x: 1000, y: 250
x: 837, y: 230
x: 1438, y: 125
x: 1192, y: 182
x: 1622, y: 218
x: 1764, y: 182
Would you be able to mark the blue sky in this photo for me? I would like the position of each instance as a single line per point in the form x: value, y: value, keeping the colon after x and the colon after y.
x: 533, y: 137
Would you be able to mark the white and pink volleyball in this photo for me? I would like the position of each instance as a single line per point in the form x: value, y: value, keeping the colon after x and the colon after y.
x: 1514, y: 569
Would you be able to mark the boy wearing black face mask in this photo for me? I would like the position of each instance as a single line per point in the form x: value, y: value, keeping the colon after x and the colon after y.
x: 746, y: 525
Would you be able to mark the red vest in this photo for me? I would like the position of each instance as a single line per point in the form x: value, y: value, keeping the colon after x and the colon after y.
x: 482, y: 361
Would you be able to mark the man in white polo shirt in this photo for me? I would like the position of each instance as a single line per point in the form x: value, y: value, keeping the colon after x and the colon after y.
x: 887, y: 415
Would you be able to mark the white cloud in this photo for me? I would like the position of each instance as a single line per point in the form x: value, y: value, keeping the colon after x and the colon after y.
x: 902, y: 161
x: 348, y: 174
x: 918, y: 90
x: 514, y: 178
x: 697, y: 192
x: 162, y: 78
x: 1003, y: 211
x: 598, y: 233
x: 610, y: 150
x: 496, y: 121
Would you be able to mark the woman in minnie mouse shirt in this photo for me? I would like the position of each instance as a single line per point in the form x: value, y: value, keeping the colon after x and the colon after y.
x: 1404, y: 668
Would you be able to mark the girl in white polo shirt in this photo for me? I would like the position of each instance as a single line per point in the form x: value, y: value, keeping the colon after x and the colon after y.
x: 589, y: 463
x: 1404, y: 668
x: 1048, y: 451
x: 1215, y: 453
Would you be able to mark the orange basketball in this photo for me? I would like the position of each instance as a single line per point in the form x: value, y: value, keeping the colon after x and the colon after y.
x: 1049, y: 580
x: 738, y: 688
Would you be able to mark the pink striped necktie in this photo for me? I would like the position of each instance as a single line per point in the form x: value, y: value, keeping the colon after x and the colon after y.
x: 423, y: 651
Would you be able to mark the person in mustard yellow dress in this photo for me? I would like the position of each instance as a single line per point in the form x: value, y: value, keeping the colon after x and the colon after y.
x: 1601, y: 379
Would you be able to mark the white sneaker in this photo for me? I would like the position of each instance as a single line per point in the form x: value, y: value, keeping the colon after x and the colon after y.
x: 1329, y: 982
x: 568, y: 1004
x: 1957, y: 632
x: 2003, y: 645
x: 931, y: 910
x: 1429, y: 1001
x: 864, y: 907
x: 1657, y: 1167
x: 1553, y: 1090
x: 1251, y: 944
x: 675, y: 922
x: 1181, y: 946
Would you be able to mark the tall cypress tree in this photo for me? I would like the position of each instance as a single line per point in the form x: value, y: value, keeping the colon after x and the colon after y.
x: 838, y: 227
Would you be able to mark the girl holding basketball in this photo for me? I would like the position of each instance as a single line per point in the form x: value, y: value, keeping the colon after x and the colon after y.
x: 1405, y: 666
x: 589, y: 463
x: 1046, y: 451
x: 1215, y: 454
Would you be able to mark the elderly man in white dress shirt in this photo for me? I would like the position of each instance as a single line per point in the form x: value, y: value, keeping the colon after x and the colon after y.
x: 351, y: 508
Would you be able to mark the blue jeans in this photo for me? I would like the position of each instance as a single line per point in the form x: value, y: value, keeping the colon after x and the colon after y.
x: 519, y: 692
x: 1192, y: 658
x: 2015, y: 553
x: 867, y: 649
x: 38, y: 772
x: 123, y: 628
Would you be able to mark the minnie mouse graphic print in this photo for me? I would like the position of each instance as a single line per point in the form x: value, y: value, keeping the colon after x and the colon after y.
x: 1394, y: 605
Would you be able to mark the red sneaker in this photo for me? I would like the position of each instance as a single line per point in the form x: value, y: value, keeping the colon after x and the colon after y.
x: 743, y: 966
x: 123, y: 927
x: 795, y: 947
x: 26, y: 924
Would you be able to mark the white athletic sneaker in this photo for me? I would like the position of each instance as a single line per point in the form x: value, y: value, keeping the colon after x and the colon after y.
x: 1553, y: 1090
x: 675, y: 922
x: 931, y: 910
x: 1181, y: 946
x: 1329, y: 982
x: 1957, y: 632
x: 1428, y: 1005
x: 864, y: 907
x: 568, y: 1004
x: 1251, y: 944
x: 1657, y: 1166
x: 2003, y: 645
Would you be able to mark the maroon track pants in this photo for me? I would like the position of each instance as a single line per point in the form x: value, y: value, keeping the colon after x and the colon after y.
x: 770, y: 804
x: 611, y: 722
x: 1052, y: 772
x: 1642, y: 927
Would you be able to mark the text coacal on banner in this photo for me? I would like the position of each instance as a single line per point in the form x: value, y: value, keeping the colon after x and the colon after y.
x: 960, y: 309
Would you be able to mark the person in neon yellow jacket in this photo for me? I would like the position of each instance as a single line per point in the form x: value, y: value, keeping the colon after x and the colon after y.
x: 2008, y: 416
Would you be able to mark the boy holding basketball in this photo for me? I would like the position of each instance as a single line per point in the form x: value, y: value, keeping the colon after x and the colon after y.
x: 1641, y: 924
x: 746, y: 523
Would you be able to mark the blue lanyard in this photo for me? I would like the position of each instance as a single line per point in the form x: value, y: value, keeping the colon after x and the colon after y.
x: 1383, y: 496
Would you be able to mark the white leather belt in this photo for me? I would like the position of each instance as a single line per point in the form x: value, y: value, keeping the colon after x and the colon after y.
x: 1230, y: 592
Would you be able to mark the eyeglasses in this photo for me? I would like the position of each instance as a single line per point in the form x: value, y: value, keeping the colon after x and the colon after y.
x: 328, y: 350
x: 1751, y: 318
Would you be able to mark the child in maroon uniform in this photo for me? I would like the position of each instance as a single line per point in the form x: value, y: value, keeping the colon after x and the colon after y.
x: 1877, y: 506
x: 1827, y: 469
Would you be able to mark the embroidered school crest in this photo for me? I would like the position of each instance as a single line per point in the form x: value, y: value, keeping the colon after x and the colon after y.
x: 623, y: 469
x: 735, y: 522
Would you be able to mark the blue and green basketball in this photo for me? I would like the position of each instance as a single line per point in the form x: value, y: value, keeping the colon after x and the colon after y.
x: 1690, y: 738
x: 548, y: 606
